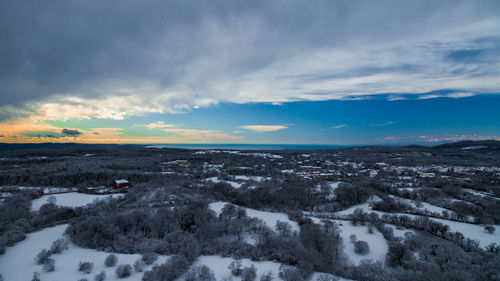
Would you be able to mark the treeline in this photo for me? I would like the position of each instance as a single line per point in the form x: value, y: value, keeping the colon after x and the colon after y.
x: 194, y: 230
x: 16, y: 220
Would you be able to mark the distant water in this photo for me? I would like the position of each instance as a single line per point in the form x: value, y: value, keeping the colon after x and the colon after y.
x: 250, y: 146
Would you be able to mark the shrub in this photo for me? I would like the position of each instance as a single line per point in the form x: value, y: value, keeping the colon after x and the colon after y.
x: 361, y: 247
x: 139, y: 265
x: 290, y: 273
x: 123, y: 270
x: 267, y: 276
x: 12, y: 236
x: 49, y: 265
x: 170, y: 270
x: 149, y: 258
x: 36, y: 276
x: 83, y: 279
x: 52, y: 199
x: 85, y: 267
x: 490, y: 229
x: 249, y: 273
x: 200, y: 273
x: 1, y: 277
x: 235, y: 267
x: 100, y: 277
x: 110, y: 260
x: 42, y: 256
x: 370, y: 229
x: 353, y: 238
x: 59, y: 245
x: 326, y: 277
x: 284, y: 228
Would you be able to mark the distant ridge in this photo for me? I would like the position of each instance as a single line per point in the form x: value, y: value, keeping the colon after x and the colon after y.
x: 415, y: 146
x: 45, y: 145
x: 482, y: 144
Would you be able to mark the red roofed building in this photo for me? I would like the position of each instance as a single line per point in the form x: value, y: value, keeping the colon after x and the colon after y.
x: 117, y: 184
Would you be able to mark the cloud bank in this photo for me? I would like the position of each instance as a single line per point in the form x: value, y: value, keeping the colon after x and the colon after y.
x: 114, y: 59
x: 263, y: 128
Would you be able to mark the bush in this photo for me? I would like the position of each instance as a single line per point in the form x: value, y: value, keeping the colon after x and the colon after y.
x: 59, y: 245
x: 353, y: 238
x: 85, y: 267
x: 290, y: 273
x: 36, y: 276
x: 12, y: 236
x: 200, y: 273
x: 149, y: 258
x: 490, y: 229
x: 123, y: 270
x: 249, y: 273
x: 100, y: 277
x: 284, y: 228
x: 110, y: 260
x: 361, y: 247
x: 170, y: 270
x: 43, y: 256
x: 83, y: 279
x: 267, y: 276
x: 139, y: 265
x: 235, y: 267
x: 326, y: 277
x: 49, y: 265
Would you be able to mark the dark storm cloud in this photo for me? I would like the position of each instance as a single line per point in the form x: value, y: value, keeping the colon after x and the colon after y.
x: 71, y: 132
x: 203, y: 51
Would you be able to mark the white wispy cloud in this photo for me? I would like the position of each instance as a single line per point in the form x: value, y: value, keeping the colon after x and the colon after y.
x: 159, y: 125
x: 384, y: 124
x: 339, y: 126
x: 461, y: 95
x: 263, y: 128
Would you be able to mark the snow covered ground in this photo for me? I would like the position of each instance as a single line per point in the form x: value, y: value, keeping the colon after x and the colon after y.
x: 364, y: 206
x: 376, y: 241
x: 71, y: 199
x: 422, y: 206
x: 254, y: 178
x: 399, y: 231
x: 232, y: 183
x: 219, y: 266
x: 472, y: 231
x: 18, y: 261
x: 269, y: 218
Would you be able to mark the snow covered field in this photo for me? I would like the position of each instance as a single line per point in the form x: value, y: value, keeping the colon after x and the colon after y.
x: 18, y: 263
x: 232, y: 183
x: 253, y: 178
x: 219, y: 266
x: 376, y: 241
x: 71, y: 199
x: 269, y: 218
x: 472, y: 231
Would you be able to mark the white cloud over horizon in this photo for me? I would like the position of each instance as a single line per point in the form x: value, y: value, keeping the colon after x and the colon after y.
x: 263, y: 128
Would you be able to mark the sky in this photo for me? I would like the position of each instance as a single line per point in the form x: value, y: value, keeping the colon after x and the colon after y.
x: 283, y: 72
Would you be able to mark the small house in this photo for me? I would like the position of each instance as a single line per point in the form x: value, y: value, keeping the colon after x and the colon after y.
x: 176, y: 162
x: 117, y: 184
